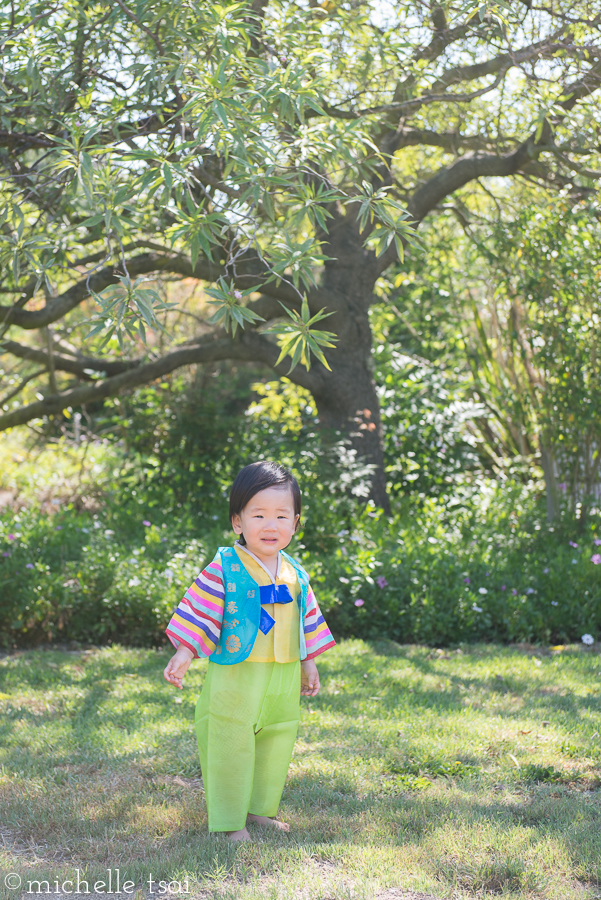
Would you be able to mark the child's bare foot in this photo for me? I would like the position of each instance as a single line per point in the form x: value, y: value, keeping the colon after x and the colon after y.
x: 268, y: 822
x: 241, y: 835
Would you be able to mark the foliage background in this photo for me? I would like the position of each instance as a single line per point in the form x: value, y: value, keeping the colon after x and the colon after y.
x: 485, y: 356
x: 101, y: 540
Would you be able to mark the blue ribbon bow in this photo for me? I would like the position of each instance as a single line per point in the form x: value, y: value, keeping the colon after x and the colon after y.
x: 272, y: 593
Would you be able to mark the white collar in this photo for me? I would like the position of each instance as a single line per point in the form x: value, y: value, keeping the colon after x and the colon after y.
x: 257, y: 560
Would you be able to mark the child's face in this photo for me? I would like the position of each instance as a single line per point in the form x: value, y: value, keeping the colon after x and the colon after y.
x: 267, y: 521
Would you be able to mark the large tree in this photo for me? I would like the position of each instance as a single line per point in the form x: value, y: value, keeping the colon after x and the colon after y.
x: 267, y: 149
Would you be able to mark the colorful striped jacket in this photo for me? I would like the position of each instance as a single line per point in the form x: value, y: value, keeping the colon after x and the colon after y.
x: 197, y: 621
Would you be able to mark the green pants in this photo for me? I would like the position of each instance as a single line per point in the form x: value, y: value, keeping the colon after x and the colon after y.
x: 246, y: 723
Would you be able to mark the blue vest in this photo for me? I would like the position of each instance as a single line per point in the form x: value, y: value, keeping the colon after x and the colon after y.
x: 242, y: 613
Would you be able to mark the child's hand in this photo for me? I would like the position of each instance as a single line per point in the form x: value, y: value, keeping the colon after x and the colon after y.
x: 309, y: 678
x: 178, y: 666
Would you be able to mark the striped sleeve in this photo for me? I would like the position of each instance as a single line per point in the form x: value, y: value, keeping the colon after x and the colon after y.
x: 196, y: 622
x: 318, y: 636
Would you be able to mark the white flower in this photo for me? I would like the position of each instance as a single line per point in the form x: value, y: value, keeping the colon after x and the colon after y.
x: 134, y: 582
x: 477, y: 608
x: 169, y: 574
x: 482, y: 591
x: 587, y: 639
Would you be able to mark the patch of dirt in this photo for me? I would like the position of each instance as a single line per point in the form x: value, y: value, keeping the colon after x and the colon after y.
x: 193, y: 783
x: 399, y: 894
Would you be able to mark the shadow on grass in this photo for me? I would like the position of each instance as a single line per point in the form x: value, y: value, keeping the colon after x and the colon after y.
x: 87, y: 776
x: 448, y: 696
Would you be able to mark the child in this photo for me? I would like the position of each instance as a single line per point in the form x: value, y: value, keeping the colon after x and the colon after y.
x: 253, y: 613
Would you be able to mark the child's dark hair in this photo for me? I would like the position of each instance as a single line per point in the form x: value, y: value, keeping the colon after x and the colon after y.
x: 257, y: 477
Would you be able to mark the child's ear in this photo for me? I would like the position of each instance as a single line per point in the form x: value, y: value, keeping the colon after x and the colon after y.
x: 296, y: 521
x: 237, y: 524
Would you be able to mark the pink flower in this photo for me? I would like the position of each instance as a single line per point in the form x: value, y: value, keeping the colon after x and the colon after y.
x: 381, y: 581
x: 572, y: 544
x: 359, y: 602
x: 513, y: 591
x: 596, y: 558
x: 30, y: 566
x: 597, y: 541
x: 6, y: 554
x: 237, y: 295
x: 503, y: 588
x: 562, y: 486
x: 466, y: 580
x: 11, y: 537
x: 146, y: 523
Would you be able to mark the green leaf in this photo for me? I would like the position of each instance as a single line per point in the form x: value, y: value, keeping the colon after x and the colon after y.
x: 167, y: 176
x: 221, y: 112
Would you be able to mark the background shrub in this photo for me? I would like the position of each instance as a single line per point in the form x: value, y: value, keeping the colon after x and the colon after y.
x: 438, y: 572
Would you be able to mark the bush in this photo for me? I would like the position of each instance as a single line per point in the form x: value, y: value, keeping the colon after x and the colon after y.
x: 70, y: 578
x: 464, y: 557
x: 480, y: 565
x: 442, y: 572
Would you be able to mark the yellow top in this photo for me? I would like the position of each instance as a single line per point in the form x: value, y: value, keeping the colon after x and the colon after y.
x: 282, y: 644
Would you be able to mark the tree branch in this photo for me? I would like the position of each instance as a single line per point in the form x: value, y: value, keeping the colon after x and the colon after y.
x: 409, y: 107
x: 27, y: 25
x: 451, y: 178
x: 581, y: 88
x: 20, y: 386
x: 153, y: 37
x: 448, y: 180
x: 248, y: 346
x: 251, y: 271
x: 498, y: 65
x: 504, y: 61
x: 449, y: 140
x: 75, y: 366
x: 18, y: 141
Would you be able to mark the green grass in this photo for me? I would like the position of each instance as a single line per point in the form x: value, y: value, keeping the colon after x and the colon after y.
x: 459, y: 774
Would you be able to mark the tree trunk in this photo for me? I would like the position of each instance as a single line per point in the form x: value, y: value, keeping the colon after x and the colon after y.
x: 346, y: 397
x: 350, y: 406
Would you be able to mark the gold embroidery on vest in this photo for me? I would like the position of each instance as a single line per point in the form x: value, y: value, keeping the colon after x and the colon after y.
x: 232, y: 645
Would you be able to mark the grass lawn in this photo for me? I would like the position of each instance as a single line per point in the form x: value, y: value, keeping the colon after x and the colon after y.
x: 455, y: 774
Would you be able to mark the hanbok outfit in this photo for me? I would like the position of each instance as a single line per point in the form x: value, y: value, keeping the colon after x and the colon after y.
x: 255, y: 629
